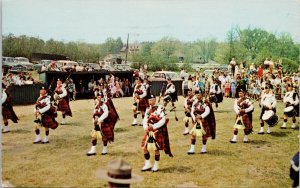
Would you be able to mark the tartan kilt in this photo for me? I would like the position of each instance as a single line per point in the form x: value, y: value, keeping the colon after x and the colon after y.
x: 158, y: 137
x: 247, y: 120
x: 206, y: 128
x: 297, y: 110
x: 49, y: 122
x: 143, y: 104
x: 8, y: 113
x: 63, y: 106
x: 107, y: 131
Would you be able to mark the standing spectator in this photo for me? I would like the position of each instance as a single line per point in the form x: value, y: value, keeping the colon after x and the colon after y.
x: 260, y: 71
x: 119, y: 174
x: 232, y: 63
x: 127, y: 87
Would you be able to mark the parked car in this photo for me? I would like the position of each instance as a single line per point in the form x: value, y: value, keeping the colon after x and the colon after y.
x: 163, y: 75
x: 24, y: 61
x: 8, y: 62
x: 93, y: 66
x: 108, y: 68
x: 66, y: 65
x: 122, y: 67
x: 18, y: 69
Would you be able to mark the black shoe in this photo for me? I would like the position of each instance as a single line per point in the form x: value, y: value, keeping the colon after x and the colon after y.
x: 103, y: 153
x: 246, y: 141
x: 90, y: 154
x: 148, y: 169
x: 282, y: 127
x: 190, y: 153
x: 134, y: 124
x: 45, y: 142
x: 233, y: 142
x: 261, y: 133
x: 38, y: 142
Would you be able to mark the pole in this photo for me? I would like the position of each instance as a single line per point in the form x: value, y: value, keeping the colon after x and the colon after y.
x: 127, y: 49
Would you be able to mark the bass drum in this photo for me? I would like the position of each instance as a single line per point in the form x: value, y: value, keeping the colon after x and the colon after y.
x: 270, y: 118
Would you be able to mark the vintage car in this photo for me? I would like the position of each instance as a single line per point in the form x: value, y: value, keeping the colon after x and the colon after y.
x: 66, y: 65
x: 163, y: 75
x: 25, y: 62
x: 122, y: 67
x: 18, y: 69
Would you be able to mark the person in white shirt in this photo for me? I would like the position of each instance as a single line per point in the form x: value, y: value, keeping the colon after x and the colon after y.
x: 205, y: 123
x: 156, y: 134
x: 291, y: 100
x: 268, y: 102
x: 182, y: 73
x: 243, y: 109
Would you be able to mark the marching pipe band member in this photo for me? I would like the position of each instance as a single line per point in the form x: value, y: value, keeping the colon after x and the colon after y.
x: 156, y: 137
x: 268, y: 102
x: 243, y: 109
x: 205, y: 123
x: 104, y: 124
x: 170, y: 94
x: 140, y: 100
x: 215, y: 93
x: 188, y: 101
x: 291, y: 99
x: 7, y: 109
x: 61, y: 95
x: 47, y: 112
x: 195, y: 84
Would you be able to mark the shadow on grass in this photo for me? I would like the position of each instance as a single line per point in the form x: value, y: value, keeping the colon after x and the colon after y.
x: 280, y: 134
x: 217, y: 152
x: 258, y: 142
x: 177, y: 169
x: 20, y: 131
x: 222, y: 111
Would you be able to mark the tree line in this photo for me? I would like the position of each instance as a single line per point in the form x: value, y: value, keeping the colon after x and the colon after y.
x: 245, y: 45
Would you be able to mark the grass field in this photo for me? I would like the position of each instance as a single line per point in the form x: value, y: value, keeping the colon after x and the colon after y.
x: 264, y: 162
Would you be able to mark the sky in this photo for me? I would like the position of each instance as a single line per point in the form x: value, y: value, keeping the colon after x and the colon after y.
x: 93, y: 21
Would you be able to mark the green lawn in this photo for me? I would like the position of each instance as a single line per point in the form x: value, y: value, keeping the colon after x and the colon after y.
x: 264, y: 162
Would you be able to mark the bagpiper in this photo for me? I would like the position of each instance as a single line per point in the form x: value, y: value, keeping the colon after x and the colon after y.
x: 104, y: 120
x: 7, y: 109
x: 61, y: 95
x: 140, y: 100
x: 205, y: 123
x: 291, y: 100
x: 188, y: 101
x: 45, y: 115
x: 156, y: 134
x: 243, y: 109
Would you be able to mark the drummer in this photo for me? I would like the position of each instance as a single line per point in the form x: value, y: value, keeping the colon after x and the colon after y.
x: 170, y: 94
x: 291, y: 100
x: 268, y: 102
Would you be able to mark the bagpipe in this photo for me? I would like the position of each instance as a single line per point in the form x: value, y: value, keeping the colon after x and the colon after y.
x: 239, y: 124
x: 136, y: 99
x: 198, y: 129
x: 151, y: 143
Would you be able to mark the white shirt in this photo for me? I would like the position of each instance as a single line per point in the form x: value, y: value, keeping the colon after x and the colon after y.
x: 237, y: 108
x: 196, y: 106
x: 288, y: 97
x: 159, y: 112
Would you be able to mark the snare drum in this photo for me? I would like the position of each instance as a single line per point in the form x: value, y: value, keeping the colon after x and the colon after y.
x: 270, y: 118
x: 289, y: 111
x: 167, y: 98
